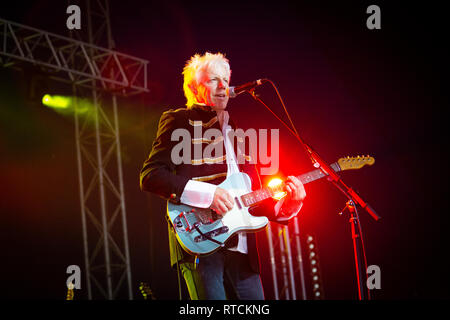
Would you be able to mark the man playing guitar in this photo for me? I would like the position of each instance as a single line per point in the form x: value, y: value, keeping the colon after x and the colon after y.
x: 231, y: 272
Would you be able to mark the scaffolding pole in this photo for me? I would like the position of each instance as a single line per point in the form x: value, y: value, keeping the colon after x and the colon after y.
x: 273, y: 264
x: 299, y: 257
x: 282, y: 262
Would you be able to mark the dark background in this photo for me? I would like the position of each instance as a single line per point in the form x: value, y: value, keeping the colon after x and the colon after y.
x: 349, y: 90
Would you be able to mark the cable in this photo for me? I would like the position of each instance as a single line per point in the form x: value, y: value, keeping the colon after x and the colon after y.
x: 284, y: 106
x: 179, y: 282
x: 292, y: 130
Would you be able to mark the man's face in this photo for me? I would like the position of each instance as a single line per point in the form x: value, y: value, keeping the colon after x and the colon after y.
x: 212, y: 89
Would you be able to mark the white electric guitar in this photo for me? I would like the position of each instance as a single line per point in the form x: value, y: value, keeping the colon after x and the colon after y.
x: 202, y: 231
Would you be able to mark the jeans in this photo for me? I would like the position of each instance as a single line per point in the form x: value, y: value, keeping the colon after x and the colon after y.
x: 222, y: 275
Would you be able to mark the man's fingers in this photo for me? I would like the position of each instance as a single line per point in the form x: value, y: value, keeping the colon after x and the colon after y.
x: 223, y: 202
x: 289, y: 189
x: 295, y: 181
x: 223, y: 208
x: 230, y: 202
x: 228, y: 197
x: 227, y: 200
x: 228, y: 205
x: 295, y: 188
x: 220, y: 208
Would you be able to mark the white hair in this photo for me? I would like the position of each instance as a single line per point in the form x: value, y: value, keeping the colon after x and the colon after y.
x: 194, y: 68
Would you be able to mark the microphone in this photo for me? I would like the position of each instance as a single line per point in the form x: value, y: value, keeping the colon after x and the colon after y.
x: 234, y: 91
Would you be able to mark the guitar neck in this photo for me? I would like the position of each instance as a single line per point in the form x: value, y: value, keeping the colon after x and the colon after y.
x: 257, y: 196
x: 317, y: 174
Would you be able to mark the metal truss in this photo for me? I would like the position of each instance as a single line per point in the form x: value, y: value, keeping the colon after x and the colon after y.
x: 102, y: 199
x: 72, y: 61
x: 96, y: 75
x: 283, y: 265
x: 99, y: 31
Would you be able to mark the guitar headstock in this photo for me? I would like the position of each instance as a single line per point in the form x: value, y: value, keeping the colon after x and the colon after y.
x: 358, y: 162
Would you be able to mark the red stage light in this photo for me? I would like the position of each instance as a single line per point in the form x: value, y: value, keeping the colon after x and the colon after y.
x: 277, y: 185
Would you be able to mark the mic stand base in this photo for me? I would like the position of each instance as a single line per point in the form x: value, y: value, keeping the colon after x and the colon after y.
x: 361, y: 270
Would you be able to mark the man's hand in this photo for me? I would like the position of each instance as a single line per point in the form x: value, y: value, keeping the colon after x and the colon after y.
x: 296, y: 195
x: 296, y: 190
x: 222, y: 202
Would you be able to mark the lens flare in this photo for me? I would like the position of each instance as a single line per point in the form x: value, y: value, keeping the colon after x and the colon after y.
x: 277, y: 186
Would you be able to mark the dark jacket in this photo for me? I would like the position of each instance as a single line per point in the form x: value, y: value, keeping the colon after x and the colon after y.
x: 161, y: 176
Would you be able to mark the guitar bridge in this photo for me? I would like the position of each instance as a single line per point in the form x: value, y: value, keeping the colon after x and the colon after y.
x: 210, y: 234
x: 186, y: 221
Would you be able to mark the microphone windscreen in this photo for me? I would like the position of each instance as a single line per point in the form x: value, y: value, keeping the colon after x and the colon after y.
x: 231, y: 92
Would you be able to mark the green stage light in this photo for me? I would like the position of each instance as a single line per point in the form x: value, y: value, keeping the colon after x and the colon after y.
x: 67, y: 105
x: 56, y: 102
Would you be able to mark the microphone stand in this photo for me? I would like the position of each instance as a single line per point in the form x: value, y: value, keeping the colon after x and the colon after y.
x: 353, y: 200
